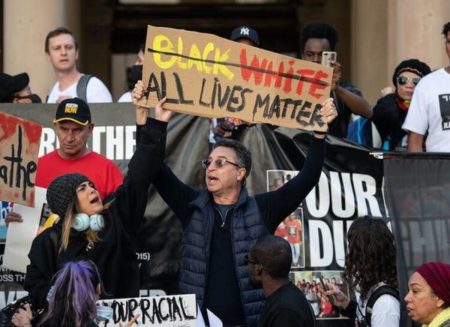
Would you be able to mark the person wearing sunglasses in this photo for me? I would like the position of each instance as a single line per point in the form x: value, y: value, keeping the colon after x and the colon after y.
x: 222, y: 222
x: 390, y: 111
x: 428, y: 117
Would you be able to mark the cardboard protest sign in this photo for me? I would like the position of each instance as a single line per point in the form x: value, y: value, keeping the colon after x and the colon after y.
x: 19, y: 148
x: 205, y: 75
x: 173, y: 310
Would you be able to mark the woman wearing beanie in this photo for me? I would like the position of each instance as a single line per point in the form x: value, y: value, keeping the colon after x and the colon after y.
x: 428, y: 299
x: 88, y: 229
x: 390, y: 111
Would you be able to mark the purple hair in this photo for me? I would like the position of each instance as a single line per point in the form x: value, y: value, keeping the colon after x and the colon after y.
x: 73, y: 299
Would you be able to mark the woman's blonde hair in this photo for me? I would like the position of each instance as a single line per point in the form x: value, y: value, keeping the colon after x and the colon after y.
x: 91, y: 235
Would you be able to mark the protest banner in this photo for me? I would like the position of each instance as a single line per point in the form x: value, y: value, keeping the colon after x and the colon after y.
x: 173, y: 311
x: 205, y: 75
x: 19, y: 148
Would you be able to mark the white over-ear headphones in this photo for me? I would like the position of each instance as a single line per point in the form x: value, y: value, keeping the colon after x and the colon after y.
x: 82, y: 221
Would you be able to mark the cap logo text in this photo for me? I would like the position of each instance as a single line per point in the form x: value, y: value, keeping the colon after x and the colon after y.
x: 245, y: 31
x: 71, y: 108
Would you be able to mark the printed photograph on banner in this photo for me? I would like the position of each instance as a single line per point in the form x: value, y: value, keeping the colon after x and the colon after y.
x: 314, y: 283
x: 291, y: 228
x: 6, y: 207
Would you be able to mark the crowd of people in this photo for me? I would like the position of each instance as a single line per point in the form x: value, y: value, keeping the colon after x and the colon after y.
x: 230, y: 258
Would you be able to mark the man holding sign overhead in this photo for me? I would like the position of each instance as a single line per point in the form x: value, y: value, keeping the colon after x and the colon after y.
x: 223, y: 221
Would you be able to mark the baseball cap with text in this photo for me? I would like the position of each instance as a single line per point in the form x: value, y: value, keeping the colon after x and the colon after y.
x: 75, y: 110
x: 245, y: 32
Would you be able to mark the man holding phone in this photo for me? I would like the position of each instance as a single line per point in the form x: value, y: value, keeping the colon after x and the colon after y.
x: 318, y: 38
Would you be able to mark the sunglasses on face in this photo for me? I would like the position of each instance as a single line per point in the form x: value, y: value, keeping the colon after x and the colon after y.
x: 219, y: 163
x: 402, y: 80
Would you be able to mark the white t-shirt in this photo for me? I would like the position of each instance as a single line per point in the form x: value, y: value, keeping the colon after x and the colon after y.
x: 126, y: 97
x: 385, y: 311
x: 96, y: 92
x: 430, y: 111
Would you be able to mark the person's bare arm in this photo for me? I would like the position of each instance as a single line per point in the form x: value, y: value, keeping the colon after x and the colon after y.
x: 358, y: 105
x: 415, y: 142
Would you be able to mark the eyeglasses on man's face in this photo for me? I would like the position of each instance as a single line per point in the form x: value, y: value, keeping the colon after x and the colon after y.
x: 219, y: 163
x: 247, y: 260
x: 402, y: 80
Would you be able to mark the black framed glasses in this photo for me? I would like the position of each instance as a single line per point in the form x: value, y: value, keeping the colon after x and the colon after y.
x: 402, y: 80
x: 219, y: 163
x: 249, y: 261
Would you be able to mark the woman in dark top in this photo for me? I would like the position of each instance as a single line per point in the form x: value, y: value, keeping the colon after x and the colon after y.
x: 390, y: 111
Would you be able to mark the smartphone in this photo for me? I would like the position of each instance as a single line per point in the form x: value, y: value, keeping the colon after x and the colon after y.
x: 329, y: 58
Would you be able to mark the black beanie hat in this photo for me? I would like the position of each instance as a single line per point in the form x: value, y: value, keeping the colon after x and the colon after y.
x: 411, y: 65
x: 63, y: 190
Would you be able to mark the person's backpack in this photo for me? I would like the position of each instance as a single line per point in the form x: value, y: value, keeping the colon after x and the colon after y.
x: 360, y: 131
x: 382, y: 290
x: 82, y: 86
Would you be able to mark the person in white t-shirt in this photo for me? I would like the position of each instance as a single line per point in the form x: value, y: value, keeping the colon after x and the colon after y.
x: 429, y: 112
x: 62, y: 51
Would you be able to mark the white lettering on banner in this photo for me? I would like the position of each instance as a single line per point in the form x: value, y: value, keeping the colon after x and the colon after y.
x: 343, y: 204
x: 423, y: 239
x: 365, y: 190
x: 97, y: 138
x: 320, y: 243
x: 318, y: 208
x: 114, y: 142
x: 339, y: 241
x: 343, y: 197
x: 48, y: 138
x: 321, y: 240
x: 130, y: 141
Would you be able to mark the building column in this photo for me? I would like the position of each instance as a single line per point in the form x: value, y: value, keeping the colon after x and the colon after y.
x: 26, y: 24
x: 385, y: 32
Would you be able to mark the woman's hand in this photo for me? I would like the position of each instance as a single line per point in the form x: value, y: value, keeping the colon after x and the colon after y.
x: 161, y: 113
x: 136, y: 95
x: 130, y: 322
x: 22, y: 318
x: 328, y: 113
x: 13, y: 217
x: 338, y: 298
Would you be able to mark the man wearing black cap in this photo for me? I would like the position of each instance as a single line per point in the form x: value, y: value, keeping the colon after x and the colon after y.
x: 245, y: 35
x: 16, y: 89
x: 73, y: 127
x: 429, y: 113
x: 232, y: 127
